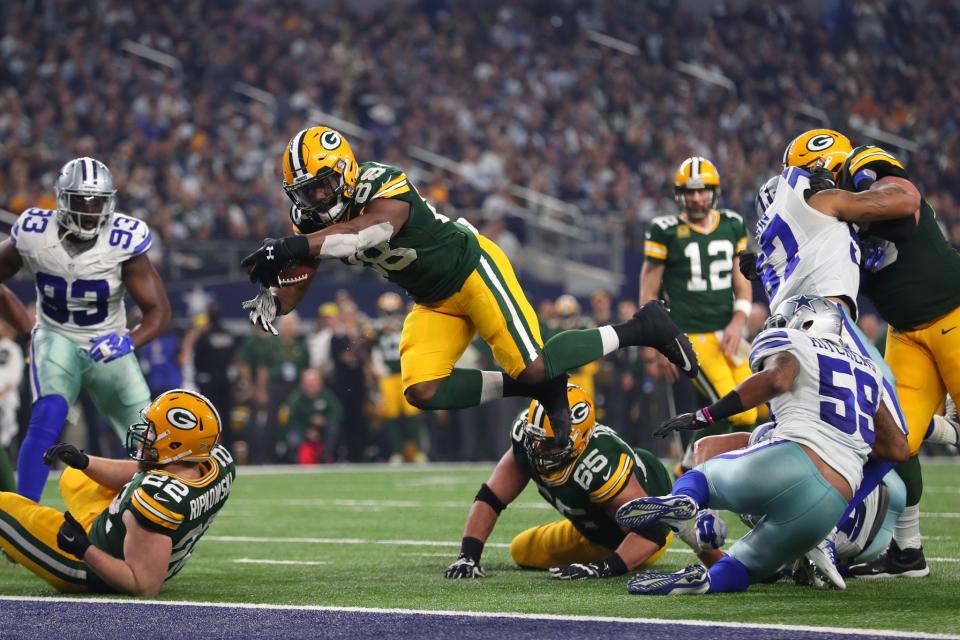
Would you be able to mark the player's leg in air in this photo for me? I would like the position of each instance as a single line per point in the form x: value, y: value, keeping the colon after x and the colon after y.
x: 56, y: 370
x: 492, y: 302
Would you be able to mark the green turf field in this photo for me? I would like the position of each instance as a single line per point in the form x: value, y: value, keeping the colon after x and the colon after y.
x: 380, y: 537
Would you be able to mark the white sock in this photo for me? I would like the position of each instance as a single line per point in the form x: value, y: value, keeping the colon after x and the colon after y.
x: 906, y: 532
x: 491, y: 387
x: 611, y: 342
x: 944, y: 432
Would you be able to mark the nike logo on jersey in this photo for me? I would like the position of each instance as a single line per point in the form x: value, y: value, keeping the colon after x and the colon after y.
x: 607, y: 477
x: 944, y: 332
x: 160, y: 498
x: 68, y: 538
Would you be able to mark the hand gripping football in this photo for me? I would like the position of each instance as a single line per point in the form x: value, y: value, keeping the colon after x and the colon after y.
x: 295, y: 274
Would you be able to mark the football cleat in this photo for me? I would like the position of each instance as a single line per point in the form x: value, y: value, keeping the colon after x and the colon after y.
x: 671, y: 510
x: 658, y: 330
x: 894, y: 563
x: 818, y: 567
x: 693, y: 580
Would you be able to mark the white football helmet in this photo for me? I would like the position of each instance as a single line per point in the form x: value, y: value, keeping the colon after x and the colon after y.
x: 813, y: 315
x: 86, y: 197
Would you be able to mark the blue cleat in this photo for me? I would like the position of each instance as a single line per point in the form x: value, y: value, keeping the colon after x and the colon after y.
x: 670, y: 509
x: 693, y: 580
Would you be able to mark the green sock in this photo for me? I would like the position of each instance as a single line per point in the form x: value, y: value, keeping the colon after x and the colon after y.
x: 909, y: 472
x: 571, y: 349
x: 464, y: 388
x: 7, y: 482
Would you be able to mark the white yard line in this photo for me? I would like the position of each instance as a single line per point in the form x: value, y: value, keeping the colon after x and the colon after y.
x: 269, y: 561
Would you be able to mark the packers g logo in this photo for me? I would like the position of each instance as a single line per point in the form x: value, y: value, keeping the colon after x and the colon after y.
x: 182, y: 418
x: 820, y: 142
x: 579, y: 412
x: 330, y: 140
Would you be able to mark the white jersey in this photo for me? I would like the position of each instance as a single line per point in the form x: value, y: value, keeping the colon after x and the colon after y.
x: 804, y: 251
x: 832, y: 403
x: 79, y: 296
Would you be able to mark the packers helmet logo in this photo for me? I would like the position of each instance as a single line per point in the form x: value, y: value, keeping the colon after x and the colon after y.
x: 579, y: 412
x: 820, y: 142
x: 182, y: 418
x: 296, y: 216
x: 330, y: 140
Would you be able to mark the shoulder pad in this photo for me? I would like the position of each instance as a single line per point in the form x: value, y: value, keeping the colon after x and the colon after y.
x: 152, y: 511
x: 665, y: 222
x: 862, y: 157
x: 610, y: 480
x: 385, y: 182
x: 129, y: 236
x: 768, y: 343
x: 31, y: 227
x: 730, y: 213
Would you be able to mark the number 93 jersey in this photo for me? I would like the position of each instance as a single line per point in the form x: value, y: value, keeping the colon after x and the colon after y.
x: 79, y: 296
x: 832, y: 403
x: 804, y: 251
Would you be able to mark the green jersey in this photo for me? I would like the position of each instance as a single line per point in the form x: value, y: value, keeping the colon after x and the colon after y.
x: 600, y: 473
x: 430, y: 256
x: 698, y: 268
x: 302, y: 409
x: 387, y: 340
x: 164, y: 503
x: 916, y: 281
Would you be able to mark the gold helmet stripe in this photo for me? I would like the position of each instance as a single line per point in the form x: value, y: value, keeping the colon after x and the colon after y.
x: 297, y: 163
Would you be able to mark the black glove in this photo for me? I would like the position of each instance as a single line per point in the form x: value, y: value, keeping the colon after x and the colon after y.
x: 683, y: 422
x: 821, y: 179
x: 748, y: 265
x: 68, y: 454
x: 612, y: 565
x: 274, y: 256
x: 71, y: 537
x: 464, y: 567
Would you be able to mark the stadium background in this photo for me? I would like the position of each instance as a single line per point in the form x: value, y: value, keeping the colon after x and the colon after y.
x: 555, y: 127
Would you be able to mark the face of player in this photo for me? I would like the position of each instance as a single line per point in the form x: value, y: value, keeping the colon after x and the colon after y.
x: 698, y: 202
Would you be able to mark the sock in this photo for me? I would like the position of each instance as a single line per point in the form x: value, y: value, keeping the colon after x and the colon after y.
x: 694, y: 485
x: 576, y: 347
x: 906, y: 532
x: 873, y: 473
x: 729, y: 576
x: 942, y: 431
x: 468, y: 388
x: 46, y: 423
x: 7, y: 482
x: 910, y: 473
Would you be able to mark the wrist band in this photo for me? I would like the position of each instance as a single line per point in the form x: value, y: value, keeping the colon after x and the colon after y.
x: 744, y: 305
x: 471, y: 548
x: 728, y: 405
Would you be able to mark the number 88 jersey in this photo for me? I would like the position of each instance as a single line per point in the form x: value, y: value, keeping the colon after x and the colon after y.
x: 79, y: 296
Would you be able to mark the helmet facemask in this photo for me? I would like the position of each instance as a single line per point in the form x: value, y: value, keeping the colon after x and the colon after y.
x: 319, y: 198
x: 543, y: 454
x: 140, y: 438
x: 86, y: 198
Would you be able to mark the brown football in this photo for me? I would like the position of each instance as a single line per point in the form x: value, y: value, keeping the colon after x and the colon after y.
x: 295, y: 274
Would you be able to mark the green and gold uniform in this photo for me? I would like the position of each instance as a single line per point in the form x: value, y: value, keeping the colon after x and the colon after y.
x: 698, y: 286
x: 916, y: 288
x: 578, y: 491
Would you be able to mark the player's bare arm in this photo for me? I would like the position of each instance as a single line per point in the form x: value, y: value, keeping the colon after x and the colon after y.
x: 506, y: 482
x: 147, y: 290
x: 710, y: 446
x: 144, y: 566
x: 891, y: 443
x: 733, y: 333
x: 884, y: 201
x: 634, y: 549
x: 111, y: 473
x: 10, y: 260
x: 13, y: 311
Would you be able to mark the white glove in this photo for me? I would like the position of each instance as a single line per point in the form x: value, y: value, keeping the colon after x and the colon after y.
x: 264, y: 309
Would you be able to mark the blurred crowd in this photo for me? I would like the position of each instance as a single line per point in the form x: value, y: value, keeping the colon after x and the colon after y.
x: 516, y: 92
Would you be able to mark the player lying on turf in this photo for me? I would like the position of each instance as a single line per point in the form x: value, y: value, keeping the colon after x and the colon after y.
x: 586, y: 481
x: 130, y: 524
x: 826, y: 399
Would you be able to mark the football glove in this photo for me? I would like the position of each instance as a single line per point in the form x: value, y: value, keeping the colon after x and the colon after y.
x: 711, y: 529
x: 274, y: 256
x: 821, y: 179
x: 612, y: 565
x: 71, y: 537
x: 683, y: 422
x: 263, y: 309
x: 68, y: 454
x: 464, y: 567
x: 109, y: 347
x: 747, y: 261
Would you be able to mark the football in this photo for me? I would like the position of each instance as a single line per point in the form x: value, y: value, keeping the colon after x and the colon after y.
x: 295, y: 274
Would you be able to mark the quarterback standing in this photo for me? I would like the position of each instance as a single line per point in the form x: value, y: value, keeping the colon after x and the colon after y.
x: 84, y: 258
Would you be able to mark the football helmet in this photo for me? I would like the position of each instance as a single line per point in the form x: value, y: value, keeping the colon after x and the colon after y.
x: 86, y: 197
x: 538, y: 432
x: 829, y: 146
x: 813, y: 315
x: 319, y: 175
x: 178, y: 425
x: 566, y: 305
x: 389, y: 303
x: 694, y: 174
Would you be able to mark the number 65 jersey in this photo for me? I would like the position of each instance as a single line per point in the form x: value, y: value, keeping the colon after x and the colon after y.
x: 79, y: 296
x: 832, y: 403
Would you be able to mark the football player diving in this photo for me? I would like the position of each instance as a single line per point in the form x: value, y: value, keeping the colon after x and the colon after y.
x: 130, y: 525
x: 85, y: 258
x: 829, y: 418
x: 586, y: 481
x: 371, y: 214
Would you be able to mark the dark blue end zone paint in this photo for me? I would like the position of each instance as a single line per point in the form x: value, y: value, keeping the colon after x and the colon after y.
x: 37, y: 620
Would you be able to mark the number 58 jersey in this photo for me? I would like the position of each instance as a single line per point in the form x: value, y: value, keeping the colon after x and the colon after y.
x: 832, y: 403
x: 79, y: 296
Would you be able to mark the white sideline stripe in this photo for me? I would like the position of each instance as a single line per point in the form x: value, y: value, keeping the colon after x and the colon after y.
x: 399, y: 504
x: 426, y: 555
x: 936, y: 489
x: 268, y: 561
x: 487, y: 614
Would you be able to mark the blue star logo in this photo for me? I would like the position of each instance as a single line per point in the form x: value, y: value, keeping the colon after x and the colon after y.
x: 802, y: 302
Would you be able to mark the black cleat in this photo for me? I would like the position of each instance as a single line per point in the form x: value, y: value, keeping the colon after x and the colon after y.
x: 552, y: 394
x: 658, y: 330
x: 893, y: 563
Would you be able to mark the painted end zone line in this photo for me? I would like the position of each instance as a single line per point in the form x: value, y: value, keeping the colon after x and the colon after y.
x: 268, y: 561
x: 837, y: 631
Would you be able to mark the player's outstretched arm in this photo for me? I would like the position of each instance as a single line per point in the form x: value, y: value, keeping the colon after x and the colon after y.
x: 884, y: 201
x: 10, y: 260
x: 13, y: 311
x: 146, y: 557
x: 145, y: 286
x: 891, y: 443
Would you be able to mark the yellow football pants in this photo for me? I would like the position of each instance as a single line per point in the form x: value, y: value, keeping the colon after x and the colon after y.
x: 926, y: 363
x: 393, y: 404
x: 719, y: 373
x: 559, y: 543
x: 28, y: 531
x: 492, y: 302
